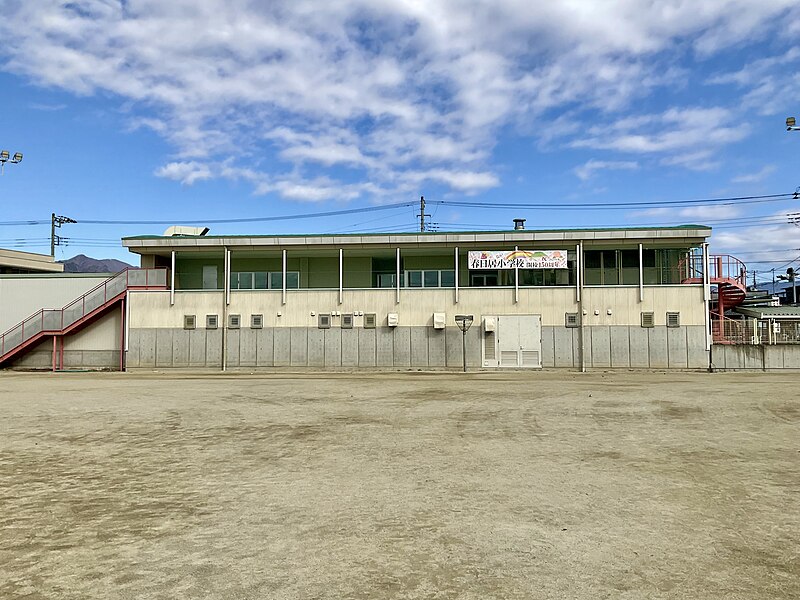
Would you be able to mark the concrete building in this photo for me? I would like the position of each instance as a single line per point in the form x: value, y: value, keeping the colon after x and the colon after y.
x: 14, y: 261
x: 592, y: 298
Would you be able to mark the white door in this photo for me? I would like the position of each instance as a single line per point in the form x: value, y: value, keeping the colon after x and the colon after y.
x: 209, y: 277
x: 519, y: 341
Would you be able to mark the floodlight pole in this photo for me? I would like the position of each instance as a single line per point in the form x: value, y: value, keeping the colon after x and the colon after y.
x: 464, y: 322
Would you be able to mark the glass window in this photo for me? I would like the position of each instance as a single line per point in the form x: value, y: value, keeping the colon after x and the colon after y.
x: 260, y: 282
x: 276, y: 281
x: 414, y: 278
x: 245, y: 281
x: 386, y: 280
x: 448, y: 278
x: 293, y: 280
x: 431, y: 278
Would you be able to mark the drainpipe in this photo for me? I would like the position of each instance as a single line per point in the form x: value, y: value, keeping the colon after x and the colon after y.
x: 579, y: 292
x: 172, y: 281
x: 397, y: 274
x: 226, y: 297
x: 456, y: 272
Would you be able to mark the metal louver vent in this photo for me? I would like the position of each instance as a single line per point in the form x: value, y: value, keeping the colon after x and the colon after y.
x: 489, y: 346
x: 256, y: 321
x: 324, y: 321
x: 212, y: 321
x: 673, y: 319
x: 530, y: 358
x: 347, y: 321
x: 234, y: 321
x: 370, y: 320
x: 571, y: 320
x: 508, y: 358
x: 189, y: 321
x: 648, y: 319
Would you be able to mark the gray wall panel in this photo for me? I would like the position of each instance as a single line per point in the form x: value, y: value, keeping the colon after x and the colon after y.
x: 384, y: 337
x: 282, y: 343
x: 350, y: 347
x: 676, y: 347
x: 419, y: 347
x: 401, y: 342
x: 147, y: 347
x: 696, y: 353
x: 791, y: 355
x: 232, y: 347
x: 333, y: 347
x: 620, y: 346
x: 453, y: 349
x: 163, y: 347
x: 640, y: 353
x: 197, y: 347
x: 659, y: 359
x: 366, y: 347
x: 248, y: 353
x: 562, y: 347
x: 316, y: 347
x: 265, y: 356
x: 436, y: 348
x: 298, y: 346
x: 601, y: 346
x: 180, y: 347
x: 132, y: 356
x: 548, y: 347
x: 214, y: 348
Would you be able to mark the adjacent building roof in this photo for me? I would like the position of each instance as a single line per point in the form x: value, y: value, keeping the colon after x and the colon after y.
x: 770, y: 312
x: 14, y: 261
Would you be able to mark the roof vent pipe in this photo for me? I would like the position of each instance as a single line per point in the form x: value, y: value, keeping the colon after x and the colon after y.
x: 519, y: 223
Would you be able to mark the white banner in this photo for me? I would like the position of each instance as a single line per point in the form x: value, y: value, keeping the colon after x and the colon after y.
x: 513, y: 259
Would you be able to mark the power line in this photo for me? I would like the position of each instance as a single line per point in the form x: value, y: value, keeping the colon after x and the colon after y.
x: 620, y: 205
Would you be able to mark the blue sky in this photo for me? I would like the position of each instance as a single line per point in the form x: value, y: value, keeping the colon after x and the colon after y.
x: 182, y: 111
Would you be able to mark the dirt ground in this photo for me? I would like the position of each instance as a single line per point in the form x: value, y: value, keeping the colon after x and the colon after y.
x: 400, y: 485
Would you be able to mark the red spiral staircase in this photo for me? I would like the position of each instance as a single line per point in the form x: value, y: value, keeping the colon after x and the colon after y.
x: 60, y: 322
x: 728, y: 278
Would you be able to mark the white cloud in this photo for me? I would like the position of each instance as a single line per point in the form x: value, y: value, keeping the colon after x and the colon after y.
x: 185, y: 172
x: 756, y: 177
x: 590, y: 167
x: 397, y: 92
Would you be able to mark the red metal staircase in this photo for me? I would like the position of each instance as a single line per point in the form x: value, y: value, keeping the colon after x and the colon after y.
x: 58, y: 322
x: 728, y: 275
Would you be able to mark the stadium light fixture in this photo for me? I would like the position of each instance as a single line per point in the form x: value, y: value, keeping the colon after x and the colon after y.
x: 791, y: 124
x: 5, y: 156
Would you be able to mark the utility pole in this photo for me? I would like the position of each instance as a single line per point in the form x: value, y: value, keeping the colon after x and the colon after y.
x: 55, y: 240
x: 422, y: 214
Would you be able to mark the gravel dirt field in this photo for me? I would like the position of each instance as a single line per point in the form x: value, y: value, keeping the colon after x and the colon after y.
x: 400, y: 485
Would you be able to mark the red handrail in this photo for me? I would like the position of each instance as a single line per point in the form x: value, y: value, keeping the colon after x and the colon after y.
x: 82, y: 299
x: 720, y: 267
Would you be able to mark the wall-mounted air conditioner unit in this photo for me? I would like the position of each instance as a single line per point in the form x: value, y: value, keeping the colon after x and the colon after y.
x: 439, y: 320
x: 392, y: 319
x: 489, y: 324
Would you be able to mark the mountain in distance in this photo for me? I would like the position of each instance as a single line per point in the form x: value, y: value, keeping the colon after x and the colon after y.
x: 85, y: 264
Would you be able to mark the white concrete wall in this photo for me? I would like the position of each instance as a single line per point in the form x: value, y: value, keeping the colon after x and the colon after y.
x: 416, y: 307
x: 23, y: 295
